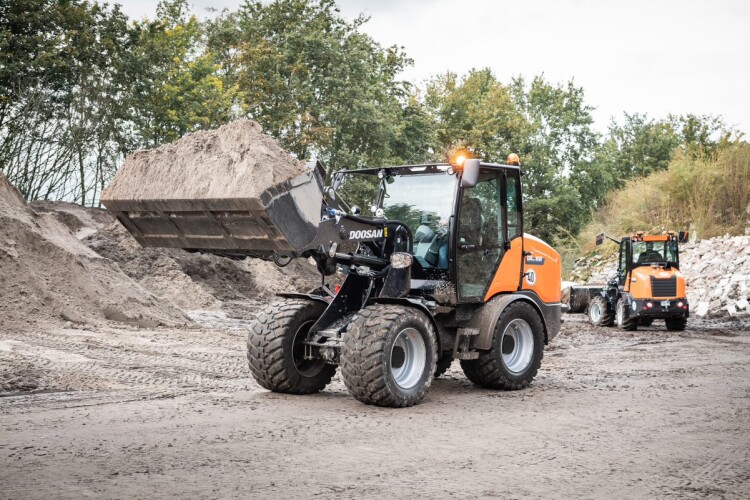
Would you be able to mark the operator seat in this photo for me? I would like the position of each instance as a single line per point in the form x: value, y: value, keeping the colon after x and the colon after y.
x: 650, y: 256
x: 424, y: 237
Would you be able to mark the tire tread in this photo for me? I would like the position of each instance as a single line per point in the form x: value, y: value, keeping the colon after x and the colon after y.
x: 266, y: 350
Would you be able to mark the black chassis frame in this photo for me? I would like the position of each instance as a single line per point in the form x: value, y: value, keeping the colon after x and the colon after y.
x: 371, y: 273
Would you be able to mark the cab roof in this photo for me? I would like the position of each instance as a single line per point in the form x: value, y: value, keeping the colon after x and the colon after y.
x: 422, y: 168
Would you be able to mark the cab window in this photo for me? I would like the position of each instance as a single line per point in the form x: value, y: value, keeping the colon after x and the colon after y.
x: 513, y: 195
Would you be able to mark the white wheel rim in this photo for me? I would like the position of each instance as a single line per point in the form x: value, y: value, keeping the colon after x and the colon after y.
x: 517, y: 346
x: 408, y: 358
x: 595, y: 312
x: 619, y: 314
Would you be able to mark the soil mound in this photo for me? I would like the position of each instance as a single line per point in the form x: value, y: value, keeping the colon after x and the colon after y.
x: 198, y: 281
x: 236, y: 160
x: 47, y: 273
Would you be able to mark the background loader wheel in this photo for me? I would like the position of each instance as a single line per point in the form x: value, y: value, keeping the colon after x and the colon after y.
x: 599, y: 313
x: 676, y: 324
x: 624, y: 322
x: 389, y: 355
x: 275, y: 348
x: 516, y: 353
x: 443, y: 364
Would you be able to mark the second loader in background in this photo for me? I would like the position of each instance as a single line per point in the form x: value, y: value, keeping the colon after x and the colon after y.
x: 648, y: 285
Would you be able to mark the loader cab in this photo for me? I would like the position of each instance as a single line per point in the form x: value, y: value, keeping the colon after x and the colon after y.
x: 462, y: 218
x: 489, y: 219
x: 639, y: 250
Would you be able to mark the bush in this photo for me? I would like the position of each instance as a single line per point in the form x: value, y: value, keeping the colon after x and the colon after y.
x: 709, y: 196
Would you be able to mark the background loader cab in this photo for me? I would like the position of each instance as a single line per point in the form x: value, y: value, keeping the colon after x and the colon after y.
x: 648, y: 285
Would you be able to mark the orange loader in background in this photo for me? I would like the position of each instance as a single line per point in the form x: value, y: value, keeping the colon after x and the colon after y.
x: 648, y: 285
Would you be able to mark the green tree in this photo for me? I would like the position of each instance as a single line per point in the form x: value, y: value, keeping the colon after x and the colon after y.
x: 177, y: 86
x: 61, y: 82
x: 549, y: 126
x: 558, y: 140
x: 318, y: 84
x: 475, y: 112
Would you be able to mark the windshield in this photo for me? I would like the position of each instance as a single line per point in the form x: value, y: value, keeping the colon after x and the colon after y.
x: 649, y: 252
x: 420, y: 201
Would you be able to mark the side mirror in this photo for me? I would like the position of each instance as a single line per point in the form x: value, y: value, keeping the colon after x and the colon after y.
x: 470, y: 173
x: 684, y: 235
x: 599, y: 239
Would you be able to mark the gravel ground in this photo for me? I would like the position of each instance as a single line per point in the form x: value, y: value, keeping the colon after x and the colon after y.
x: 153, y: 413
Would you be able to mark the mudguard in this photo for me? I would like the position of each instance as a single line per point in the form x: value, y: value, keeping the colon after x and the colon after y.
x: 416, y: 303
x: 485, y: 318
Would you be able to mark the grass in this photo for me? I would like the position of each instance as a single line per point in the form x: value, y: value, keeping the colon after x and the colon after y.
x: 710, y: 197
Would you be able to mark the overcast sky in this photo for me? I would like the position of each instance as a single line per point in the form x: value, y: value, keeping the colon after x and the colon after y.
x: 655, y: 57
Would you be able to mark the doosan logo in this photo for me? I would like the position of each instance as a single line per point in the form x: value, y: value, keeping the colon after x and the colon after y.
x: 365, y: 234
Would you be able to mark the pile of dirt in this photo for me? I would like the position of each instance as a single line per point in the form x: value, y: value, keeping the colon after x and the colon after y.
x: 47, y: 273
x: 199, y: 281
x: 236, y: 160
x: 82, y: 221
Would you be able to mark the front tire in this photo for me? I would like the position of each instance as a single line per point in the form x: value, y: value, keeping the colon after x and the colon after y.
x: 275, y: 348
x: 599, y: 312
x: 389, y: 356
x: 516, y: 353
x: 625, y: 323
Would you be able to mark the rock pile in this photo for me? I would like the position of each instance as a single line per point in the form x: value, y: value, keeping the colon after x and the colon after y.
x: 594, y: 269
x: 718, y: 276
x: 717, y: 272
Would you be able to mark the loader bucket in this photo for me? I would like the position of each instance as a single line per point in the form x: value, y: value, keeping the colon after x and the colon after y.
x: 282, y: 221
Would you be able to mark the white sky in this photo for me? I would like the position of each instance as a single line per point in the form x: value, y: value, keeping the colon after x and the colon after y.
x: 655, y: 57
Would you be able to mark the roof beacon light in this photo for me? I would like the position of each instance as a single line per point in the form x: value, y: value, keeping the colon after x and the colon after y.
x: 460, y: 159
x: 513, y: 159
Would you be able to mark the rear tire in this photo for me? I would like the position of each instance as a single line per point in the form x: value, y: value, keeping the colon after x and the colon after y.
x: 646, y: 321
x: 275, y: 348
x: 599, y: 313
x: 629, y: 324
x: 676, y: 324
x: 577, y: 301
x: 516, y: 353
x: 389, y: 356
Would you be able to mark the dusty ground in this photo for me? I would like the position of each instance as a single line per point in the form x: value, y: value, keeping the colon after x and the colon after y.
x: 173, y: 413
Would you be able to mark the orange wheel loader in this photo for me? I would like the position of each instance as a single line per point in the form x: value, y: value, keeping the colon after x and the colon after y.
x: 648, y: 285
x: 440, y: 269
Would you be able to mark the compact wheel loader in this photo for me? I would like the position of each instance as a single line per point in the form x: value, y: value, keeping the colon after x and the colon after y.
x: 648, y: 284
x: 440, y: 270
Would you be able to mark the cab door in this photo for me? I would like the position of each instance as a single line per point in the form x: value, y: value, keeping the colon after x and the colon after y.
x: 481, y: 229
x: 622, y: 272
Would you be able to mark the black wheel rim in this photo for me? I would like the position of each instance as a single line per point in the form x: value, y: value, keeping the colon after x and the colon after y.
x: 305, y: 367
